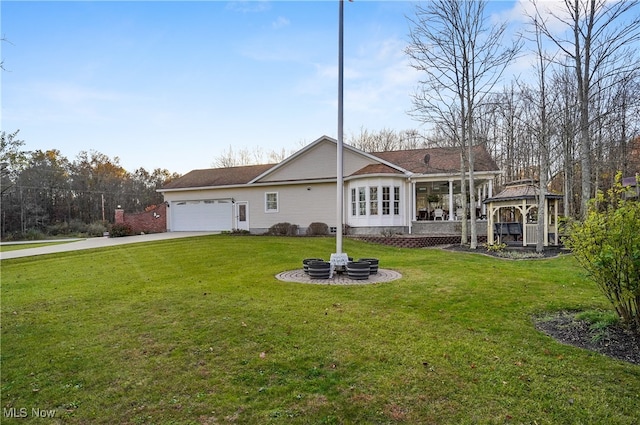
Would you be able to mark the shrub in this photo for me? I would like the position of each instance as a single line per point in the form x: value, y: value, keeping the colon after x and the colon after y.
x: 607, y: 245
x: 387, y: 233
x: 236, y: 232
x: 34, y: 235
x: 59, y: 228
x: 283, y: 229
x: 599, y: 322
x: 317, y: 229
x: 96, y: 228
x: 495, y: 247
x: 120, y: 229
x: 77, y: 226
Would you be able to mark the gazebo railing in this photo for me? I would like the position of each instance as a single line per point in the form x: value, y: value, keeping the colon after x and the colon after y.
x: 531, y: 233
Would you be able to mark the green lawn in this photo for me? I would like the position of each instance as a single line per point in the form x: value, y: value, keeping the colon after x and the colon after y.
x: 199, y: 331
x: 17, y: 246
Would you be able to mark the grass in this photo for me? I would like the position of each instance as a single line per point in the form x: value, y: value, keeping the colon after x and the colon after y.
x: 198, y: 331
x: 599, y: 321
x: 17, y: 246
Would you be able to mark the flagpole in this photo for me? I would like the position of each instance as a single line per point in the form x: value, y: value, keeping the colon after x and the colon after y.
x: 340, y: 259
x: 340, y: 168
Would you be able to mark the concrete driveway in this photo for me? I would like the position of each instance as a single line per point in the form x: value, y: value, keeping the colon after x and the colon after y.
x: 89, y: 243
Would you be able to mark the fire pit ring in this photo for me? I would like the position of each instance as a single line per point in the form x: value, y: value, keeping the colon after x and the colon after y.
x: 299, y: 276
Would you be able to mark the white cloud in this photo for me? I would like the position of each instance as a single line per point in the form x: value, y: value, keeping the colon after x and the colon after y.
x: 550, y: 11
x: 249, y: 6
x: 281, y: 22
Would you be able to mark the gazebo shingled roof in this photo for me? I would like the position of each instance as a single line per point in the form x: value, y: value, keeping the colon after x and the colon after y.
x: 522, y: 189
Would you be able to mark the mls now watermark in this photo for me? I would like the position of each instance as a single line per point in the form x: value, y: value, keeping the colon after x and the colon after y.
x: 23, y: 412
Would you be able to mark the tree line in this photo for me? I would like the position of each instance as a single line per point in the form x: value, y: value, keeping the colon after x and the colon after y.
x: 571, y: 125
x: 45, y: 192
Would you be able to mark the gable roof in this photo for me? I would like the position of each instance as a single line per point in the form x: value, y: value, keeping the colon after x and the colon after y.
x: 349, y: 152
x: 440, y: 160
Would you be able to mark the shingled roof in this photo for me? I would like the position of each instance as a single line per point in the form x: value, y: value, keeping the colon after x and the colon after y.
x: 219, y: 176
x: 522, y: 189
x: 439, y: 160
x: 376, y: 169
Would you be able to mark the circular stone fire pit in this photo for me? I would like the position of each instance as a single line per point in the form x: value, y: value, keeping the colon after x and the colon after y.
x: 300, y: 276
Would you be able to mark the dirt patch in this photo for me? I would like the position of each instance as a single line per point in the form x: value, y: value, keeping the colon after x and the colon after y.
x: 615, y: 341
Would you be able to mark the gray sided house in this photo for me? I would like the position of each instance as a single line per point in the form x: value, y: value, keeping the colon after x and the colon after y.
x: 410, y: 191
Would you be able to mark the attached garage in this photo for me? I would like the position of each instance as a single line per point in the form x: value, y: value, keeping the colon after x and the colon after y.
x: 202, y: 215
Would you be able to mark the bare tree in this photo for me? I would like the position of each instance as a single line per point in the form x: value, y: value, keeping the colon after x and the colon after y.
x: 12, y: 159
x: 2, y: 60
x: 566, y: 124
x: 244, y: 156
x: 462, y: 58
x: 386, y: 140
x: 540, y: 103
x: 231, y: 158
x: 601, y: 41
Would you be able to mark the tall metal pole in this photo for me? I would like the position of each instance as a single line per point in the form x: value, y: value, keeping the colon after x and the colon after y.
x: 340, y: 177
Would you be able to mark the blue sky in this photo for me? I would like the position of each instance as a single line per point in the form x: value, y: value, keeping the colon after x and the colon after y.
x: 175, y: 84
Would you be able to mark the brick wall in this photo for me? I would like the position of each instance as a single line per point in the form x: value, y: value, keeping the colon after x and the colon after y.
x: 152, y: 221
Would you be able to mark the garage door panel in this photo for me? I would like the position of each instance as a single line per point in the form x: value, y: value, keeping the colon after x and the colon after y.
x: 202, y: 215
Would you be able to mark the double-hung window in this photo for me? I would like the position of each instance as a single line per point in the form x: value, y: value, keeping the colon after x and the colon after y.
x: 354, y: 203
x: 373, y: 200
x: 396, y: 200
x: 362, y: 201
x: 271, y: 202
x: 386, y: 200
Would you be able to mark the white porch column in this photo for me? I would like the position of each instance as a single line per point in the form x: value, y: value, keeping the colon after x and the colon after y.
x: 555, y: 220
x: 414, y: 203
x: 451, y: 212
x: 490, y: 194
x: 490, y: 239
x: 483, y: 206
x: 523, y: 218
x: 546, y: 223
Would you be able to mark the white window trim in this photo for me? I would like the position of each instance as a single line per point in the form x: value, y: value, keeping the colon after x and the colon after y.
x: 266, y: 202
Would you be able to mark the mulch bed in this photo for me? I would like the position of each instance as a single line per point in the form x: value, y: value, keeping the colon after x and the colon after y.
x: 615, y: 341
x: 548, y: 252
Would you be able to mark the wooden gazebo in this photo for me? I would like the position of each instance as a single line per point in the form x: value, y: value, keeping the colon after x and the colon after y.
x: 513, y: 213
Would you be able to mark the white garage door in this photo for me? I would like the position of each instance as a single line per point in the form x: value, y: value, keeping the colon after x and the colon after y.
x: 205, y: 215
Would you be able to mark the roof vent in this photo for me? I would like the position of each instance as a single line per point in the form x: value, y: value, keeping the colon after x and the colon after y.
x: 427, y: 157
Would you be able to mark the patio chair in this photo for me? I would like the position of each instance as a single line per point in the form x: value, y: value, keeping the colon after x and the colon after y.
x: 438, y: 212
x: 459, y: 214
